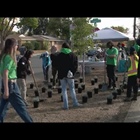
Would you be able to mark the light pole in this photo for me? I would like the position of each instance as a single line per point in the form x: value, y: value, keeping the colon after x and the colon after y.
x: 72, y: 27
x: 134, y: 28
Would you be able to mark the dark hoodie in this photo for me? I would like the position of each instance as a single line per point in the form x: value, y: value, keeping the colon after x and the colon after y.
x: 66, y: 60
x: 23, y: 65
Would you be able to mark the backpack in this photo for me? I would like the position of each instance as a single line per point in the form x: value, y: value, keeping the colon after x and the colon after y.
x: 122, y: 67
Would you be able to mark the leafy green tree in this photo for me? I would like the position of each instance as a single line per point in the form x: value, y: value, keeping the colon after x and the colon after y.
x: 59, y: 27
x: 120, y: 28
x: 28, y: 24
x: 7, y: 25
x: 53, y: 27
x: 42, y: 26
x: 81, y: 37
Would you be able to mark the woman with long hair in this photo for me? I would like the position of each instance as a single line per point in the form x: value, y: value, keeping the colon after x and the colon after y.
x: 10, y: 91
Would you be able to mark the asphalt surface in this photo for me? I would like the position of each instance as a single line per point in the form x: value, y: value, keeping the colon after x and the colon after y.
x: 133, y: 114
x: 36, y: 64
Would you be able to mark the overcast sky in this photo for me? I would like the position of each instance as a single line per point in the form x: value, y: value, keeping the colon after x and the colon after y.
x: 125, y: 22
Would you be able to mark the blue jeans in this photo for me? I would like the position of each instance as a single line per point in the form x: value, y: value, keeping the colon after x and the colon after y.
x: 71, y: 85
x: 46, y: 72
x: 16, y: 101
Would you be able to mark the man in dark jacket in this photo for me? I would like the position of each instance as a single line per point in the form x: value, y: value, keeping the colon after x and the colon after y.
x: 22, y: 71
x: 67, y: 64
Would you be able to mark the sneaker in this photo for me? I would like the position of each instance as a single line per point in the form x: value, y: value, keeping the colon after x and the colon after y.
x: 127, y: 99
x: 79, y: 105
x: 65, y: 108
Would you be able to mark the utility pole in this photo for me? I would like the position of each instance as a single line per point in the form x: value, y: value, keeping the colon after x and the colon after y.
x: 134, y: 28
x: 72, y: 27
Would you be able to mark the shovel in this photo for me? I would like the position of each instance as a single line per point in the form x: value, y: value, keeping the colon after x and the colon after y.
x: 104, y: 85
x: 40, y: 99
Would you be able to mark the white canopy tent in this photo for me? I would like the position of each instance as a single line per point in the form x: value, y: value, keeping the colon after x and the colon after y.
x: 107, y: 34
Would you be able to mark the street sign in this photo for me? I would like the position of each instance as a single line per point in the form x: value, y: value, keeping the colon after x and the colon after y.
x: 95, y: 21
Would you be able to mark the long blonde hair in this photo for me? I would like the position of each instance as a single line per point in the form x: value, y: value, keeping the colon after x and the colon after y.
x: 8, y: 49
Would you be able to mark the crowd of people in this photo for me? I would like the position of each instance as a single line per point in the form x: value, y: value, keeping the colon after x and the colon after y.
x: 64, y: 65
x: 14, y: 71
x: 132, y: 64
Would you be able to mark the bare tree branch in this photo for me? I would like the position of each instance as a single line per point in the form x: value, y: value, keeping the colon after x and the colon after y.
x: 11, y: 27
x: 2, y: 24
x: 6, y: 27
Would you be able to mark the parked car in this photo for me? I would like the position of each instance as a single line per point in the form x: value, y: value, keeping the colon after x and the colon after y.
x: 91, y: 53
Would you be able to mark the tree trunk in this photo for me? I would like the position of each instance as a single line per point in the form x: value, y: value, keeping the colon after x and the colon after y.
x: 83, y: 67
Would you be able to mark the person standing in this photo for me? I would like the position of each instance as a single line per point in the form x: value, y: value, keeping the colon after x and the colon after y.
x: 10, y: 91
x: 53, y: 56
x: 46, y: 63
x: 137, y: 47
x: 132, y: 65
x: 22, y: 49
x: 23, y: 69
x: 67, y: 64
x: 111, y: 63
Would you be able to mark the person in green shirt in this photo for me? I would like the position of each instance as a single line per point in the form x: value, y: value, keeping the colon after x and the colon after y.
x: 111, y: 63
x: 137, y: 47
x: 9, y: 88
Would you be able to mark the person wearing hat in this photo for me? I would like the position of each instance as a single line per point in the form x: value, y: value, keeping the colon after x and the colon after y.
x: 46, y: 63
x: 132, y: 65
x: 22, y: 71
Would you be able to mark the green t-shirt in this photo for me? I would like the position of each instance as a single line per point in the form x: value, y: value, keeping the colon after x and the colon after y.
x: 112, y: 51
x: 137, y: 47
x: 9, y: 64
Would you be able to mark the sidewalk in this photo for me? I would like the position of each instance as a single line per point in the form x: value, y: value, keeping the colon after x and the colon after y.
x: 133, y: 114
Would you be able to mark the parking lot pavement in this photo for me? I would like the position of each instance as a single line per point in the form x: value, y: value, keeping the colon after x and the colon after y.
x: 133, y: 114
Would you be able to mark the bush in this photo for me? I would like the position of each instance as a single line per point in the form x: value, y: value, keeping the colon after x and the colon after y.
x: 45, y: 45
x: 37, y: 45
x: 29, y: 45
x: 130, y: 43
